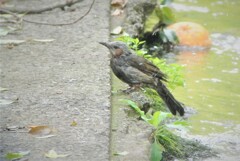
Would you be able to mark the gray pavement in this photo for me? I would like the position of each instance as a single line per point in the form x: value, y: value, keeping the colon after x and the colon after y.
x: 58, y: 82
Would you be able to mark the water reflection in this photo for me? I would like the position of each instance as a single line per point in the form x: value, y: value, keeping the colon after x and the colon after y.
x: 212, y: 89
x: 212, y: 77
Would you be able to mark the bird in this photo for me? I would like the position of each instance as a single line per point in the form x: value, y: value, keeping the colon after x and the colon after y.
x: 138, y: 71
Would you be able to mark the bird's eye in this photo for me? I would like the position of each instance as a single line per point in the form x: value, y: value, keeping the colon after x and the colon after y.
x: 115, y: 47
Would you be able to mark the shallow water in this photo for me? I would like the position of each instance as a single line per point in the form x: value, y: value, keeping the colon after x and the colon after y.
x: 216, y: 15
x: 212, y: 77
x: 212, y: 89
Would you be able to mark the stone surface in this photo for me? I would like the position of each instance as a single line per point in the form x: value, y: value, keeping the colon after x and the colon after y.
x: 58, y: 82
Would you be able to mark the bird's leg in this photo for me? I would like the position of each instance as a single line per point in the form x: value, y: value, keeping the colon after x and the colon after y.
x: 132, y: 88
x: 128, y: 90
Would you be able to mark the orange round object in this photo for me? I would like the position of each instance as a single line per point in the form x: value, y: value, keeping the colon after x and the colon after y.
x: 191, y: 34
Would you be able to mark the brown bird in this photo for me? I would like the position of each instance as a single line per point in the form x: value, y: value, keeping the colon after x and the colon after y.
x: 135, y: 70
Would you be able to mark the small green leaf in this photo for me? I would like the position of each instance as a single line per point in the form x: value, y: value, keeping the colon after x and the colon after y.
x: 141, y: 42
x: 11, y: 156
x: 171, y: 36
x: 152, y: 20
x: 121, y: 153
x: 14, y: 156
x: 164, y: 115
x: 167, y: 15
x: 156, y: 151
x: 158, y: 117
x: 163, y: 37
x: 155, y: 121
x: 131, y: 103
x: 134, y: 106
x: 158, y: 12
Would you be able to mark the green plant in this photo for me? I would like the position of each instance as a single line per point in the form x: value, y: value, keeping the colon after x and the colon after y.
x: 169, y: 141
x: 163, y: 138
x: 156, y: 150
x: 157, y: 103
x: 134, y: 44
x: 155, y: 30
x: 173, y: 71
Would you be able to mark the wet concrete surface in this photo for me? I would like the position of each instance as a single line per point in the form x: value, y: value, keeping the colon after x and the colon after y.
x: 58, y: 82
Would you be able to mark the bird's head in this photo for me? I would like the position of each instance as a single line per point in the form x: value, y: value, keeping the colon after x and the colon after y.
x: 116, y: 48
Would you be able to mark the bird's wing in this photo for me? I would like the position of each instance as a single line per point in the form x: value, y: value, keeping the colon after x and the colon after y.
x: 145, y: 66
x: 136, y: 76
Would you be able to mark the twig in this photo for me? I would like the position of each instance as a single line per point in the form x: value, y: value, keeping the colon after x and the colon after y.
x: 10, y: 13
x: 37, y: 11
x: 50, y: 24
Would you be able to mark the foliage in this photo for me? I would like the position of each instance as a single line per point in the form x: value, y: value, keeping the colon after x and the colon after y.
x: 156, y: 151
x: 163, y: 138
x: 135, y: 107
x: 167, y: 36
x: 134, y: 44
x: 169, y: 141
x: 157, y: 103
x: 165, y: 14
x: 162, y: 15
x: 16, y: 156
x: 155, y: 31
x: 11, y: 156
x: 173, y: 71
x: 158, y: 117
x: 152, y: 20
x: 165, y: 144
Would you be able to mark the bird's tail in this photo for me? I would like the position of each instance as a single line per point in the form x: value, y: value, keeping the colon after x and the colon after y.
x: 173, y: 105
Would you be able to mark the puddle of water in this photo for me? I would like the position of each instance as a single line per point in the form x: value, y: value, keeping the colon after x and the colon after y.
x: 212, y: 77
x: 212, y: 89
x: 215, y: 15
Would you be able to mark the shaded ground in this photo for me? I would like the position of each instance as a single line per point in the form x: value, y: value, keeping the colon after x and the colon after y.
x: 58, y: 82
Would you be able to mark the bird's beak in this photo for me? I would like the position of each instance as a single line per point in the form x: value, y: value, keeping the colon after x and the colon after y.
x: 111, y: 49
x: 106, y: 44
